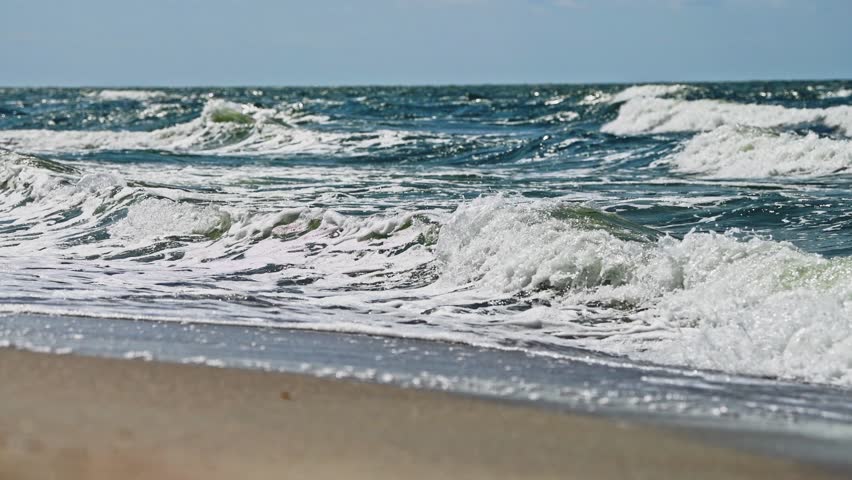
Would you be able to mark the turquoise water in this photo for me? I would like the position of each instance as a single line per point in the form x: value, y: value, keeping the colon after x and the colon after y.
x: 703, y: 226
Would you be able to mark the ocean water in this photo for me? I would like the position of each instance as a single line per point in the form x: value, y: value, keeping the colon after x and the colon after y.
x: 703, y: 227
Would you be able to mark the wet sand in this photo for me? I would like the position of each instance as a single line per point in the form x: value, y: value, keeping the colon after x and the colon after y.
x: 72, y: 417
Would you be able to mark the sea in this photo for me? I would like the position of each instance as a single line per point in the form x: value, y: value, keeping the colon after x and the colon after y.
x: 679, y: 252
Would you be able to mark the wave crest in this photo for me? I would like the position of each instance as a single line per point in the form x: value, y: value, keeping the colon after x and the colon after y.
x: 134, y: 95
x: 558, y: 247
x: 738, y: 152
x: 222, y: 128
x: 707, y: 300
x: 661, y: 115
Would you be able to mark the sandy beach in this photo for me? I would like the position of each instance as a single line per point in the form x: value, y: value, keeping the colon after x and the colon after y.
x: 76, y: 417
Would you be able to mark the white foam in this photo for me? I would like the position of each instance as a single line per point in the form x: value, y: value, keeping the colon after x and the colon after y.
x: 840, y: 93
x: 635, y: 91
x: 661, y: 115
x: 506, y: 247
x: 732, y: 152
x: 588, y: 279
x: 101, y: 181
x: 22, y: 179
x: 647, y: 91
x: 758, y: 307
x: 709, y: 300
x: 137, y: 95
x: 155, y: 217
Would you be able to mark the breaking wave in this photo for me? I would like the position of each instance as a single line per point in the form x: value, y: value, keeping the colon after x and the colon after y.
x: 223, y: 128
x: 497, y: 270
x: 647, y: 91
x: 741, y: 152
x: 634, y: 92
x: 707, y: 300
x: 644, y: 115
x: 135, y: 95
x: 841, y: 93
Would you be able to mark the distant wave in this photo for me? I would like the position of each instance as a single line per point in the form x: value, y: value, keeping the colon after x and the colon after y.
x: 223, y: 128
x: 647, y: 91
x: 634, y: 92
x: 840, y: 93
x: 660, y: 115
x: 134, y: 94
x: 741, y: 152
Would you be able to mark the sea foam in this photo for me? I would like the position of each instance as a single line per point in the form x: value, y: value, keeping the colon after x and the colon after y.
x: 647, y: 91
x: 498, y: 269
x: 660, y: 115
x: 222, y: 128
x: 157, y: 217
x: 634, y: 92
x: 707, y: 300
x: 135, y: 95
x: 740, y: 152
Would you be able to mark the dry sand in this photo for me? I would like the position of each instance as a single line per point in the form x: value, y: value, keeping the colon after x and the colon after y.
x: 71, y: 417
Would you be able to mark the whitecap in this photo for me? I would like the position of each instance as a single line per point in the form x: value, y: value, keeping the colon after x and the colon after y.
x: 708, y: 300
x: 647, y: 91
x: 223, y: 128
x: 661, y: 115
x: 839, y: 93
x: 738, y: 152
x: 156, y: 217
x: 136, y: 95
x: 482, y: 274
x: 636, y: 91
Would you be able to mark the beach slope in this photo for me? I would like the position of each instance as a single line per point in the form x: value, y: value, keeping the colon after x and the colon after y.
x: 73, y: 417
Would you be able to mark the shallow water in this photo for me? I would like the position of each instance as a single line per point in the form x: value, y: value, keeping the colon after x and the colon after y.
x: 695, y: 226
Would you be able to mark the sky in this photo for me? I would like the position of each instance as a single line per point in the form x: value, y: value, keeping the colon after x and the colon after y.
x: 416, y: 42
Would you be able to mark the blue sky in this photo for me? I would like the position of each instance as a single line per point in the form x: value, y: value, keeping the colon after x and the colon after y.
x: 334, y: 42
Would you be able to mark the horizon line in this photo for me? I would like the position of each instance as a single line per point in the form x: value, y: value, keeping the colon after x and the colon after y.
x: 423, y: 85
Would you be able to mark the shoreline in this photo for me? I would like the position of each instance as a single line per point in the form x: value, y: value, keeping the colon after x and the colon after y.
x: 764, y: 416
x: 90, y: 417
